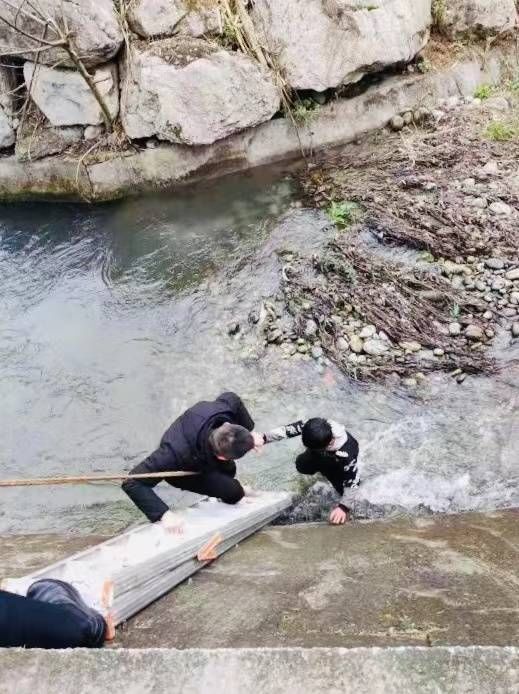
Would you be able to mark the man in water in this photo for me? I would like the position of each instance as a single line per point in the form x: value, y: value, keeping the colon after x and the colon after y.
x: 206, y: 440
x: 330, y: 450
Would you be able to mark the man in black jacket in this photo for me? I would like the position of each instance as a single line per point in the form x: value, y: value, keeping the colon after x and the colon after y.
x: 206, y: 439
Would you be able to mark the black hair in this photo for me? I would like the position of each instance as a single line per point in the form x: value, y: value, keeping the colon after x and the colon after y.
x: 231, y: 441
x: 317, y: 434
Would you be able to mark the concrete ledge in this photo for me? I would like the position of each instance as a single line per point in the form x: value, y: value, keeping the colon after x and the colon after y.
x: 168, y: 166
x: 262, y: 671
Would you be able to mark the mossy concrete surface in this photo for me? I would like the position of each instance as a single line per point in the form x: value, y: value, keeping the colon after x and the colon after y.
x: 263, y: 671
x: 439, y: 580
x: 442, y: 580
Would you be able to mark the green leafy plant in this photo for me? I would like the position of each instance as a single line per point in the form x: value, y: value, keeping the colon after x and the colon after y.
x: 424, y: 65
x: 304, y: 111
x: 342, y: 214
x: 499, y: 131
x: 484, y: 91
x: 455, y: 311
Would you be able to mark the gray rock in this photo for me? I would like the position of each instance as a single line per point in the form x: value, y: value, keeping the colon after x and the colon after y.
x: 368, y: 331
x: 514, y: 298
x: 451, y: 268
x: 515, y: 329
x: 375, y: 347
x: 509, y: 312
x: 488, y: 315
x: 457, y: 282
x: 356, y: 344
x: 498, y: 283
x: 478, y: 17
x: 64, y: 97
x: 468, y: 182
x: 491, y: 168
x: 311, y: 328
x: 474, y: 332
x: 342, y: 344
x: 410, y: 346
x: 94, y: 25
x: 317, y: 352
x: 512, y: 274
x: 454, y: 329
x: 192, y: 92
x: 150, y: 18
x: 409, y: 382
x: 438, y: 352
x: 302, y: 349
x: 33, y: 144
x: 495, y: 263
x: 92, y: 132
x: 407, y: 117
x: 480, y: 285
x: 325, y: 44
x: 497, y: 103
x: 396, y: 123
x: 7, y: 107
x: 500, y: 208
x: 479, y: 203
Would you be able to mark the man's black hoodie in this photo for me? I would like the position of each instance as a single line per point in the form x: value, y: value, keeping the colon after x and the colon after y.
x: 185, y: 446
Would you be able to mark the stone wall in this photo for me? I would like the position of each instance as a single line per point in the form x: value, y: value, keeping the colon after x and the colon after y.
x: 189, y: 72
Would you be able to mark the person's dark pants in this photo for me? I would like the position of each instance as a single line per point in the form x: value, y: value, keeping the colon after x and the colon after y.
x: 217, y: 483
x: 52, y: 616
x: 330, y: 465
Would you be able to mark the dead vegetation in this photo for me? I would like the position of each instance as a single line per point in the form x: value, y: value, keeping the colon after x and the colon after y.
x: 429, y: 189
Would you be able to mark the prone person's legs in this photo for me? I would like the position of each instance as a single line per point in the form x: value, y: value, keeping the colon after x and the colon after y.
x: 29, y: 623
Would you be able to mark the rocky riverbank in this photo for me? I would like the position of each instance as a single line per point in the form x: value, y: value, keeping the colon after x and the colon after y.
x: 122, y: 97
x: 422, y: 272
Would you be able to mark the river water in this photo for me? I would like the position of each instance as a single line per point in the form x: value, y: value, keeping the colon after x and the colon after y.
x: 114, y: 318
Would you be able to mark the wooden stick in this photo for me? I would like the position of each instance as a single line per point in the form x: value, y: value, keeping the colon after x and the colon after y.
x: 41, y: 481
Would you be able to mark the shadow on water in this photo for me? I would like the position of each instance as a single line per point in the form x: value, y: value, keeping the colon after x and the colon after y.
x: 114, y: 319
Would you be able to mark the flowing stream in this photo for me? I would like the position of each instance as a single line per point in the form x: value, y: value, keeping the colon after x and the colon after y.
x: 115, y: 318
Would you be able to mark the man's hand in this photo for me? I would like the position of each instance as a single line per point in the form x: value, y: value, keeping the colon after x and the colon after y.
x: 249, y: 491
x: 172, y: 523
x: 339, y: 517
x: 258, y: 441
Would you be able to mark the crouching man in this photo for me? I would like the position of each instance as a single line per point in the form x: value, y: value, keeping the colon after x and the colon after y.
x: 206, y: 440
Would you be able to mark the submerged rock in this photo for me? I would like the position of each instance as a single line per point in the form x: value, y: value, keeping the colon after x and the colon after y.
x: 192, y: 92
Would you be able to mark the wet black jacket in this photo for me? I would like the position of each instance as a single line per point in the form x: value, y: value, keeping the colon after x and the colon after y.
x: 185, y: 446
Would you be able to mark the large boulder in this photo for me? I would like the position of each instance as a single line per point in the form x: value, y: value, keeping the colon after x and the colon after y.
x: 170, y: 17
x: 481, y: 17
x: 321, y: 44
x: 65, y: 98
x: 7, y: 133
x: 93, y: 24
x: 189, y: 91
